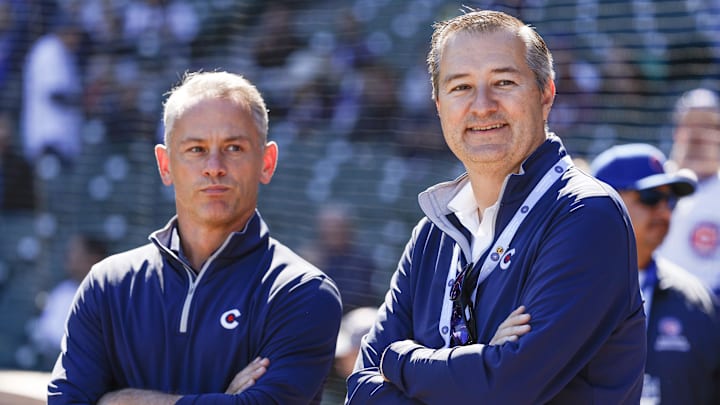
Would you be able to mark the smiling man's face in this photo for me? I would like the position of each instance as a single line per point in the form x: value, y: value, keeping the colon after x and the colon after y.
x: 491, y: 109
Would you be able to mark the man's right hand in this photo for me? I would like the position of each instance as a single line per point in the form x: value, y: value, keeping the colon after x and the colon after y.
x: 514, y: 326
x: 248, y: 376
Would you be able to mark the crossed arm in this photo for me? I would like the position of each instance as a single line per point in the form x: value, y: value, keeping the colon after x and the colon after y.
x: 562, y: 295
x: 243, y: 380
x: 510, y: 330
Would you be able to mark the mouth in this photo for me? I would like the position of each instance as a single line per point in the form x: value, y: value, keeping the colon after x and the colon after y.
x: 486, y: 128
x: 215, y: 189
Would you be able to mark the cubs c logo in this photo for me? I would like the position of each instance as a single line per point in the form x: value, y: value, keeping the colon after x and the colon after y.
x: 705, y: 239
x: 228, y: 320
x: 505, y: 262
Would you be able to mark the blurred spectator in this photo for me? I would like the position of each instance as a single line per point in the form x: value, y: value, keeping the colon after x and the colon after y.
x: 623, y: 79
x: 355, y: 324
x: 13, y: 14
x: 378, y: 106
x: 52, y: 116
x: 336, y: 252
x: 694, y: 238
x: 576, y: 82
x: 17, y: 177
x: 683, y: 317
x: 367, y: 105
x: 418, y: 131
x: 160, y: 32
x: 83, y: 251
x: 350, y: 50
x: 276, y: 39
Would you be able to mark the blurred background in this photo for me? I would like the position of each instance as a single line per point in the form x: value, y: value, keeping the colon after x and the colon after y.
x: 83, y: 81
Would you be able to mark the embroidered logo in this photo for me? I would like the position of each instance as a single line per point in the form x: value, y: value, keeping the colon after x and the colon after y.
x: 670, y: 337
x: 505, y: 262
x: 229, y: 320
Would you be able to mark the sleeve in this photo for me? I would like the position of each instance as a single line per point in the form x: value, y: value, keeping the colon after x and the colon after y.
x: 581, y: 290
x: 299, y: 339
x: 366, y: 385
x: 82, y: 372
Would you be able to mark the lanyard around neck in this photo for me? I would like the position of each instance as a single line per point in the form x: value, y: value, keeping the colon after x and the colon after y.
x: 501, y: 246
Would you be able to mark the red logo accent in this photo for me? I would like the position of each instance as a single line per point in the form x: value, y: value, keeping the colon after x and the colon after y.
x: 670, y: 326
x: 656, y: 165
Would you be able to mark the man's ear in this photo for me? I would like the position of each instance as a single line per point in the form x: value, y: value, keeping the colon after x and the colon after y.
x: 163, y: 162
x: 548, y: 97
x: 270, y: 158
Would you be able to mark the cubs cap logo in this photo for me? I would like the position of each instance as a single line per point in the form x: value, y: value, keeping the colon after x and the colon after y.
x: 229, y: 319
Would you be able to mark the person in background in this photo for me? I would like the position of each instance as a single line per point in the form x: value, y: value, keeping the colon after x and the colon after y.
x: 17, y: 177
x: 693, y: 241
x: 213, y: 309
x: 683, y: 360
x: 52, y: 115
x: 355, y: 324
x: 82, y: 252
x: 336, y: 251
x: 522, y: 232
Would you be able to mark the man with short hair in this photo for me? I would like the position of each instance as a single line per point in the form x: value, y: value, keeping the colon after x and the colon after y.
x: 522, y: 227
x: 694, y: 237
x: 213, y: 310
x: 683, y: 361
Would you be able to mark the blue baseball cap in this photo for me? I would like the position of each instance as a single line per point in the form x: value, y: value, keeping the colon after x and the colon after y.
x: 639, y: 166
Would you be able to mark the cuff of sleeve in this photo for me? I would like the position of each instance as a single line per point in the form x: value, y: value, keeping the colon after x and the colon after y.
x: 393, y: 359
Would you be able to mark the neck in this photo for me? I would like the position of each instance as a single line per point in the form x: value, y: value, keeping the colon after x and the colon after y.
x: 486, y: 188
x: 644, y: 259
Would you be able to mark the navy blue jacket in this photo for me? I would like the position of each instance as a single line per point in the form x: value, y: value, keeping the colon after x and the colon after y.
x: 144, y: 319
x: 574, y: 268
x: 683, y: 361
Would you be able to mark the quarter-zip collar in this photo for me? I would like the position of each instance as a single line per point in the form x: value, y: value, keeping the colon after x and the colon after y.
x: 516, y: 187
x: 235, y: 246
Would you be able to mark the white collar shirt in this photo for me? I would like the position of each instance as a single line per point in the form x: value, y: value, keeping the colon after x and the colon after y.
x: 481, y: 227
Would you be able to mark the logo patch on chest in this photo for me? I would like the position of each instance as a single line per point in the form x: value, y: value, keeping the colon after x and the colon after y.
x: 670, y: 336
x: 506, y: 259
x: 704, y: 238
x: 229, y: 319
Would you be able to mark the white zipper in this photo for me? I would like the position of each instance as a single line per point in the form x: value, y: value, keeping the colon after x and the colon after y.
x: 193, y: 285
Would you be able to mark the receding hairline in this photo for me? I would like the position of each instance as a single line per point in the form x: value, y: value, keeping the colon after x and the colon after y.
x: 196, y: 87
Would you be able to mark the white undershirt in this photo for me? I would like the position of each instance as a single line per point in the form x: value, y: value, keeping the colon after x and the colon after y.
x: 481, y: 227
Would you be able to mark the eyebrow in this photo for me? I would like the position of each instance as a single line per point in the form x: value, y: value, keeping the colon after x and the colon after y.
x: 507, y: 69
x: 233, y: 138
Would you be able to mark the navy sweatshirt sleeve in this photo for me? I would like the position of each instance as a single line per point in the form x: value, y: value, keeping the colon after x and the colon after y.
x: 580, y: 291
x: 394, y: 323
x: 82, y: 373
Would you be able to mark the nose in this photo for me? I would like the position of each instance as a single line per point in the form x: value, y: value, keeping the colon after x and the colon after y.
x: 214, y: 165
x: 483, y: 101
x: 665, y: 208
